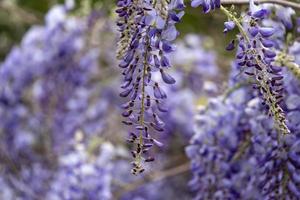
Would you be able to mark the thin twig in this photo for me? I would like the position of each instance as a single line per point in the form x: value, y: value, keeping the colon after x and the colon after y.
x: 288, y: 61
x: 5, y: 160
x: 156, y: 176
x: 21, y: 14
x: 237, y: 86
x: 280, y: 2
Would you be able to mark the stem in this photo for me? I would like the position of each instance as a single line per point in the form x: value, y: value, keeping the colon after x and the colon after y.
x: 153, y: 177
x: 142, y: 116
x: 289, y: 62
x: 294, y: 67
x: 237, y: 23
x: 143, y: 85
x: 6, y: 160
x: 244, y: 146
x: 237, y: 86
x: 279, y: 2
x: 20, y: 14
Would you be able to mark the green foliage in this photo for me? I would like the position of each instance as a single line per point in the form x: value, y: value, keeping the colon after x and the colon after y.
x: 16, y: 17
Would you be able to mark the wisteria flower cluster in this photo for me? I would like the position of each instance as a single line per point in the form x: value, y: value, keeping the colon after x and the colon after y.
x: 46, y: 102
x: 256, y: 57
x: 234, y: 129
x: 147, y: 31
x: 238, y: 152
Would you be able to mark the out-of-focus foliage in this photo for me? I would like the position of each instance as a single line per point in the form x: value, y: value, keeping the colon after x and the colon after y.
x: 61, y: 135
x: 16, y: 16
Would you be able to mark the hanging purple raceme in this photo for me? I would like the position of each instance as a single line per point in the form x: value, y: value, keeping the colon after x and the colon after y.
x: 256, y: 57
x: 251, y: 151
x: 147, y: 30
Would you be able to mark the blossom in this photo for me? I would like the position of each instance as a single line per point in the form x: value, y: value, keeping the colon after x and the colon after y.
x: 228, y: 26
x: 47, y: 95
x: 207, y: 5
x: 147, y: 31
x: 221, y: 161
x: 235, y: 142
x: 256, y: 55
x: 77, y: 177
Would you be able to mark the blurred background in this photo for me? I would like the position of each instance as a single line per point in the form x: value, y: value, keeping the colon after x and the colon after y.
x: 17, y: 16
x: 61, y: 135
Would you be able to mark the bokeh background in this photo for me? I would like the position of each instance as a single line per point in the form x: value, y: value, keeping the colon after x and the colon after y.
x: 61, y: 135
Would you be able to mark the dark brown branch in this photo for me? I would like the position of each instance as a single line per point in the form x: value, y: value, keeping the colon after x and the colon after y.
x: 279, y: 2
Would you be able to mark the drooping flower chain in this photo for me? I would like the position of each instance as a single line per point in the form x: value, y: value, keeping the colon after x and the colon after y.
x: 147, y: 30
x: 256, y: 57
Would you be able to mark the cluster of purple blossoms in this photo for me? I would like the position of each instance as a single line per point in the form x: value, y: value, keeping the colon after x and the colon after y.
x: 46, y: 96
x: 220, y: 156
x: 195, y: 76
x: 195, y: 65
x: 237, y: 152
x: 283, y: 15
x: 81, y: 175
x: 147, y: 30
x: 45, y: 80
x: 256, y: 55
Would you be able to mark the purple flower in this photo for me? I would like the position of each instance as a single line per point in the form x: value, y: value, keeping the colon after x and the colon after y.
x: 78, y: 178
x: 221, y: 169
x: 266, y: 31
x: 260, y: 13
x: 228, y: 26
x: 230, y: 46
x: 256, y: 55
x: 47, y: 95
x: 207, y: 5
x: 285, y: 16
x: 167, y: 78
x: 235, y: 141
x: 146, y: 35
